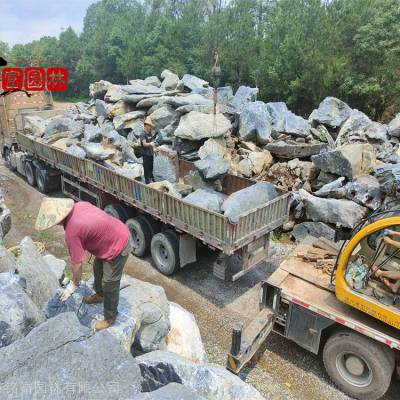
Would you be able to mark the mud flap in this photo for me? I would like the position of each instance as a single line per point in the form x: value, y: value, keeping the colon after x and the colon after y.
x: 187, y: 250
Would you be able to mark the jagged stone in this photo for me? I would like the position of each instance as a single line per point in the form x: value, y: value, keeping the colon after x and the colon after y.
x: 334, y: 190
x: 8, y: 262
x: 213, y: 146
x: 247, y: 199
x: 137, y: 86
x: 254, y: 123
x: 243, y: 95
x: 188, y: 100
x: 193, y: 82
x: 316, y: 229
x: 76, y: 151
x: 114, y: 93
x: 97, y: 152
x: 97, y: 90
x: 343, y: 213
x: 91, y: 133
x: 351, y: 160
x: 212, y: 167
x: 61, y: 124
x: 305, y: 170
x: 163, y: 117
x: 5, y: 219
x: 353, y: 129
x: 394, y: 126
x: 164, y: 168
x: 170, y: 80
x: 56, y: 265
x: 210, y: 381
x: 294, y: 150
x: 331, y: 112
x: 35, y: 125
x: 194, y: 180
x: 366, y: 191
x: 388, y: 176
x: 206, y: 198
x: 125, y: 121
x: 131, y: 171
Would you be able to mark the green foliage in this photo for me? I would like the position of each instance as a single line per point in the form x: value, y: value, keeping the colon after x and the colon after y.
x: 295, y: 51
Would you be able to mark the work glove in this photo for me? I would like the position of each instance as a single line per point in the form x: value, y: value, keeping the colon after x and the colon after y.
x: 66, y: 293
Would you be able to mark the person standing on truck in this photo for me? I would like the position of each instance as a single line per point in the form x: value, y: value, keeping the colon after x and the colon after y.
x: 87, y: 228
x: 147, y: 150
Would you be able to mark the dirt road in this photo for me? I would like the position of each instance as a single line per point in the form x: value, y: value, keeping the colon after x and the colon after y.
x: 285, y: 371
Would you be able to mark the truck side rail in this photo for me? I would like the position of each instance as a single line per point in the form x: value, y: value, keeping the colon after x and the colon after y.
x: 212, y: 228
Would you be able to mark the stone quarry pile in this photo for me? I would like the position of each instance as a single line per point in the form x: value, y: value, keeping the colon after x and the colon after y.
x: 49, y: 350
x: 339, y: 164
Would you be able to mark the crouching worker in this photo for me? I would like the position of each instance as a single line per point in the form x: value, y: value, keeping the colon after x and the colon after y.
x: 87, y: 228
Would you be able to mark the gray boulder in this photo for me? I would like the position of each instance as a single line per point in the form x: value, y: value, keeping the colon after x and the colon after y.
x: 388, y: 176
x: 137, y: 127
x: 163, y: 117
x: 350, y: 160
x: 131, y: 171
x: 170, y: 80
x: 97, y: 152
x: 5, y: 219
x: 196, y: 181
x: 331, y: 112
x: 61, y: 124
x: 212, y: 167
x: 333, y: 190
x: 138, y: 86
x: 102, y: 108
x: 166, y: 135
x: 91, y: 133
x: 62, y: 359
x: 291, y: 149
x: 342, y: 213
x: 188, y: 100
x: 254, y: 123
x: 209, y: 381
x: 247, y: 199
x: 35, y: 125
x: 8, y: 262
x: 152, y: 80
x: 41, y: 281
x: 125, y: 121
x: 76, y: 151
x: 151, y: 101
x: 164, y: 168
x: 206, y: 198
x: 172, y: 391
x: 56, y: 265
x: 18, y: 313
x: 225, y: 95
x: 376, y: 131
x: 394, y: 126
x: 243, y: 95
x: 197, y: 126
x: 365, y: 191
x: 115, y: 93
x: 97, y: 90
x: 143, y: 313
x: 316, y: 229
x: 353, y: 129
x: 193, y: 82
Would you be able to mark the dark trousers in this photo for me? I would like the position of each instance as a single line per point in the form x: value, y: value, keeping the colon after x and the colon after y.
x: 148, y: 162
x: 107, y: 279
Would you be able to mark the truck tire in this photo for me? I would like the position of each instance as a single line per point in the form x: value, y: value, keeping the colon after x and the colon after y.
x: 117, y: 211
x: 359, y: 366
x: 152, y: 224
x: 30, y: 173
x: 141, y: 236
x: 165, y: 252
x: 41, y: 181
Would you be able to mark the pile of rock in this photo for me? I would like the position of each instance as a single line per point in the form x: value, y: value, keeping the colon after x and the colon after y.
x: 48, y: 349
x: 336, y: 146
x: 5, y: 218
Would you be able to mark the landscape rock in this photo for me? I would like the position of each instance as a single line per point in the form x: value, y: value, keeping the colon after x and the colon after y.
x: 334, y: 190
x: 365, y: 191
x: 137, y: 127
x: 57, y: 265
x: 170, y: 80
x: 97, y: 152
x: 206, y: 198
x: 197, y: 126
x: 137, y: 86
x: 342, y: 213
x: 209, y: 381
x: 184, y: 337
x: 376, y: 131
x: 254, y: 123
x: 331, y: 112
x: 91, y: 133
x: 353, y: 129
x: 212, y: 167
x: 61, y: 124
x: 125, y: 121
x: 8, y: 262
x: 131, y: 171
x: 18, y: 313
x: 213, y: 146
x: 394, y: 126
x: 166, y: 187
x: 243, y: 95
x: 164, y: 168
x: 76, y: 151
x: 41, y: 280
x: 195, y: 180
x: 102, y: 108
x: 114, y: 93
x: 193, y: 82
x: 295, y: 150
x: 35, y: 125
x: 350, y: 160
x: 316, y: 229
x: 247, y: 199
x: 152, y: 80
x: 259, y: 160
x: 97, y: 90
x: 61, y: 359
x: 163, y: 117
x: 245, y: 168
x: 388, y: 176
x: 188, y: 100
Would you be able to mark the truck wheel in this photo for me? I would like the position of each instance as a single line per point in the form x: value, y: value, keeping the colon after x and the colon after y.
x: 152, y: 224
x: 41, y: 181
x: 141, y: 236
x: 360, y: 367
x: 30, y: 173
x: 117, y: 211
x: 165, y: 252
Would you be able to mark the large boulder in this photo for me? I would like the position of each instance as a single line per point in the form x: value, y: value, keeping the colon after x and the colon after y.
x: 193, y: 82
x: 213, y: 146
x: 61, y: 359
x: 350, y: 160
x: 209, y: 381
x: 97, y: 152
x: 284, y: 149
x: 197, y: 126
x: 8, y: 262
x: 41, y: 280
x: 163, y: 117
x: 212, y: 167
x: 376, y: 132
x: 102, y: 108
x: 57, y: 265
x: 91, y: 133
x: 62, y: 124
x: 115, y: 93
x: 184, y: 337
x: 353, y: 129
x: 97, y: 90
x: 143, y: 313
x: 131, y: 171
x: 164, y: 168
x: 170, y: 80
x: 334, y: 190
x: 247, y: 199
x: 331, y: 112
x: 260, y: 160
x: 76, y: 151
x: 137, y: 86
x: 365, y: 191
x: 125, y: 121
x: 35, y: 125
x: 243, y: 95
x: 388, y: 176
x: 152, y: 80
x: 394, y: 126
x: 206, y: 198
x: 196, y: 181
x: 342, y: 213
x: 5, y: 219
x: 254, y: 123
x: 187, y: 100
x: 316, y: 229
x: 18, y: 313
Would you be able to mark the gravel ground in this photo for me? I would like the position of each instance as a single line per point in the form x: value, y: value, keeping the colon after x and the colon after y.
x: 284, y: 371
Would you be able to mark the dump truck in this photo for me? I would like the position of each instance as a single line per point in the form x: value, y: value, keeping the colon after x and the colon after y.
x: 348, y: 315
x: 165, y: 226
